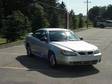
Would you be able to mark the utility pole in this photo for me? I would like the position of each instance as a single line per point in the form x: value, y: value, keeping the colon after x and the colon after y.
x: 87, y: 12
x: 67, y: 21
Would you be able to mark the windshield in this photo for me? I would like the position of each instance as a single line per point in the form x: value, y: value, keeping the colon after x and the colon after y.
x: 63, y: 36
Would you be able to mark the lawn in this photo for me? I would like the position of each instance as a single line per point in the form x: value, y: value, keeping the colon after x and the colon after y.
x: 2, y: 41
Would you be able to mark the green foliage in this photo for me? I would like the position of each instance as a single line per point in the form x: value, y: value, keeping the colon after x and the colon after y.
x: 81, y: 22
x: 73, y: 20
x: 62, y: 15
x: 2, y: 41
x: 14, y: 26
x: 93, y: 13
x: 100, y: 13
x: 108, y: 12
x: 18, y: 17
x: 52, y: 13
x: 38, y: 18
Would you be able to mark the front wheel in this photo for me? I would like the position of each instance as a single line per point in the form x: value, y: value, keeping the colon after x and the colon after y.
x: 52, y: 60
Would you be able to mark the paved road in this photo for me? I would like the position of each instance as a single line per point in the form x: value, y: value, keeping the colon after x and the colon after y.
x: 17, y: 68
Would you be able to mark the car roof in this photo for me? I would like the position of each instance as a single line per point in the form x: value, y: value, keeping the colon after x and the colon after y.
x: 53, y: 29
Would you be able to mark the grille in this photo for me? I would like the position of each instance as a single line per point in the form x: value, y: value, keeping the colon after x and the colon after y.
x: 86, y: 53
x: 89, y: 53
x: 82, y: 53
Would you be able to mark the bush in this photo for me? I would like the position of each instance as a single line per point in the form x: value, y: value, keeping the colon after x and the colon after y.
x: 15, y: 26
x: 81, y: 22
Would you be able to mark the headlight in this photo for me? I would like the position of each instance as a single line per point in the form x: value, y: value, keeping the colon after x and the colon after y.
x: 68, y: 53
x: 96, y: 52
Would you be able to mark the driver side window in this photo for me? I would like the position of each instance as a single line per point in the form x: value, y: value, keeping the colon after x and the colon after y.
x: 41, y: 35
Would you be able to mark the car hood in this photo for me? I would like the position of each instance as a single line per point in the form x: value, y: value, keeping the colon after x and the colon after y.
x: 75, y: 45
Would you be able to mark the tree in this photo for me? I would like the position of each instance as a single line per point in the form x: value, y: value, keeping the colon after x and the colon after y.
x: 100, y: 13
x: 18, y: 17
x: 81, y: 22
x: 50, y: 8
x: 108, y: 12
x: 52, y: 13
x: 1, y: 14
x: 93, y: 14
x: 62, y: 15
x: 73, y: 20
x: 38, y: 18
x: 14, y: 26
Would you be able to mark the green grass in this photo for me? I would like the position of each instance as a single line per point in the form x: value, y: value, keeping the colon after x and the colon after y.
x: 4, y: 44
x: 2, y: 41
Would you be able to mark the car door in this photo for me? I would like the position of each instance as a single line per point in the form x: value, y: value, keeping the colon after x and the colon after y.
x: 40, y: 43
x: 36, y: 42
x: 43, y: 47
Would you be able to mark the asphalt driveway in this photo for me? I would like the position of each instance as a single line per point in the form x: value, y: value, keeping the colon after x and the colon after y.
x: 17, y: 68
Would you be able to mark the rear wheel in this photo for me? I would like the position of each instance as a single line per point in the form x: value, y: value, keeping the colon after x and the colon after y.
x: 29, y: 52
x: 52, y: 60
x: 102, y: 26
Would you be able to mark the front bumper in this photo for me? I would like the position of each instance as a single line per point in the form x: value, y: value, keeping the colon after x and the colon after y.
x: 80, y: 60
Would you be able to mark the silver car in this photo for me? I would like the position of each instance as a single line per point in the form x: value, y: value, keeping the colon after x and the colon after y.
x: 61, y: 46
x: 106, y: 23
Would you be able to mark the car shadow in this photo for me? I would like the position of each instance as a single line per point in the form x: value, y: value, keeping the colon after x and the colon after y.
x: 42, y: 66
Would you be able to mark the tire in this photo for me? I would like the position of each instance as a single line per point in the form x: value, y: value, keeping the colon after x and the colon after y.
x: 52, y: 60
x: 102, y: 26
x: 29, y: 52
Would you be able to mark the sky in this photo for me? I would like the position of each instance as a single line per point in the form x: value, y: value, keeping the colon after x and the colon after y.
x: 79, y: 6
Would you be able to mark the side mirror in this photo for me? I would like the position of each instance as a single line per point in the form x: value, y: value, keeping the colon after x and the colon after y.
x: 44, y: 39
x: 30, y: 34
x: 81, y: 38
